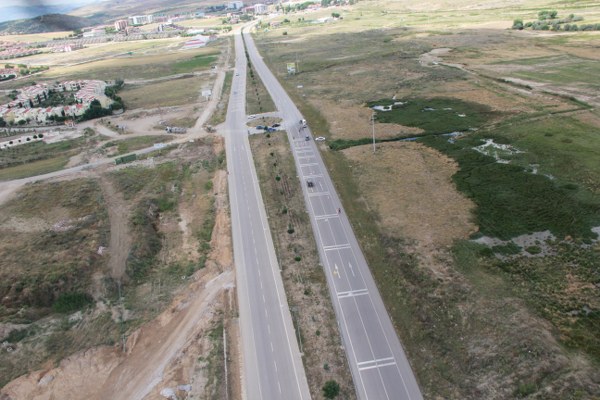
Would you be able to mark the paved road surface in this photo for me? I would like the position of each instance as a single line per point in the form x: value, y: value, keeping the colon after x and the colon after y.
x: 271, y: 358
x: 379, y: 366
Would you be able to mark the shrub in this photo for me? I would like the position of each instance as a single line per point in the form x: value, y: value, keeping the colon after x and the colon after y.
x: 518, y: 24
x: 533, y: 250
x: 331, y: 389
x: 71, y: 301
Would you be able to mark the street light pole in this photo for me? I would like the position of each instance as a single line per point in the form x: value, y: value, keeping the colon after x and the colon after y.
x: 373, y: 124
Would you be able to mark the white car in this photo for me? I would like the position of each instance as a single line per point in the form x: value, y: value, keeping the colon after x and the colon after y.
x: 319, y: 138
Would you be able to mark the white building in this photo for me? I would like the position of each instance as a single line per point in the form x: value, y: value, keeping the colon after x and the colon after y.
x: 260, y: 8
x: 140, y: 19
x: 94, y: 33
x: 121, y: 24
x: 235, y: 5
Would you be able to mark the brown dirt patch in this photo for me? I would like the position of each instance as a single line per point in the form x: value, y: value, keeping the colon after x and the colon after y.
x: 469, y: 90
x: 351, y: 121
x: 221, y: 245
x: 410, y: 186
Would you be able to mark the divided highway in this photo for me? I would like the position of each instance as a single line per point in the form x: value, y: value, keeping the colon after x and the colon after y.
x: 379, y: 366
x: 272, y: 366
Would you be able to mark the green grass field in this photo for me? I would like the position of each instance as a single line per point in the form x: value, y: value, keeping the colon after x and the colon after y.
x: 437, y: 115
x: 511, y: 201
x: 201, y: 61
x: 562, y: 70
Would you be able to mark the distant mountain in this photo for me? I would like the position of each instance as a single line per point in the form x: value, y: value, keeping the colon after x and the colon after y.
x: 46, y: 23
x: 113, y: 9
x: 11, y: 13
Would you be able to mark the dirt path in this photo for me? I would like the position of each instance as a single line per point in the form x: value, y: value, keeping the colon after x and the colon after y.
x: 166, y: 78
x: 153, y: 348
x: 120, y: 239
x: 217, y: 90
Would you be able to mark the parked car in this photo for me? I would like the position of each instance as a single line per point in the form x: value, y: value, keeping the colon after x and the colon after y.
x: 275, y: 125
x: 319, y: 138
x: 309, y: 183
x: 260, y: 127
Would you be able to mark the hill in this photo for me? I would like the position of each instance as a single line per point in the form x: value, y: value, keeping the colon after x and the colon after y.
x: 113, y: 9
x: 46, y: 23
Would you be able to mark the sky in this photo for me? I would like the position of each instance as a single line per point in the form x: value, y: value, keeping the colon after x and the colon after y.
x: 16, y: 9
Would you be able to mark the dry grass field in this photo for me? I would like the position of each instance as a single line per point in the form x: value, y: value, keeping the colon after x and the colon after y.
x: 164, y: 94
x: 478, y: 321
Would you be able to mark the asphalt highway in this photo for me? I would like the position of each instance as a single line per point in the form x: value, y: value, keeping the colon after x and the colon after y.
x: 377, y: 361
x: 272, y: 366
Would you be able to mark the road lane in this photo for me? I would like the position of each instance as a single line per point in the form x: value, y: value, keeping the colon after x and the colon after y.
x: 377, y: 361
x: 271, y: 358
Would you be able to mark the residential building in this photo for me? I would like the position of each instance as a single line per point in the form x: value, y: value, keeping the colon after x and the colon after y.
x: 235, y: 5
x: 121, y: 25
x: 66, y: 48
x: 260, y: 8
x: 140, y: 19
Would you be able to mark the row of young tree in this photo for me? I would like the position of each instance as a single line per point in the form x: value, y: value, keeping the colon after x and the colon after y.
x: 548, y: 21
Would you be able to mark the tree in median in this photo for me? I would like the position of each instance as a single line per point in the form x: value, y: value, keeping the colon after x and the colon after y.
x: 331, y: 389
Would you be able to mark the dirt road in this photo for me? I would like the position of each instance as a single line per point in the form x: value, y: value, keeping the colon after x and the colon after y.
x: 120, y: 239
x: 153, y: 349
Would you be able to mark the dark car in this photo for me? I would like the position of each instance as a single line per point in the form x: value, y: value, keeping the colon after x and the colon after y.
x: 309, y: 183
x: 261, y: 127
x: 275, y: 125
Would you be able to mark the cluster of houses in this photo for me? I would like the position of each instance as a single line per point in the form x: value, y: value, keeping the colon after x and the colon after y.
x: 16, y: 52
x: 67, y: 48
x: 24, y: 108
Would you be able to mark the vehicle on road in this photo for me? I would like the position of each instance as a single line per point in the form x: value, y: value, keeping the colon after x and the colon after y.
x: 307, y: 138
x: 310, y: 183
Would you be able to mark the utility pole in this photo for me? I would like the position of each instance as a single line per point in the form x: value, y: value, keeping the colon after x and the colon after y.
x: 373, y: 125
